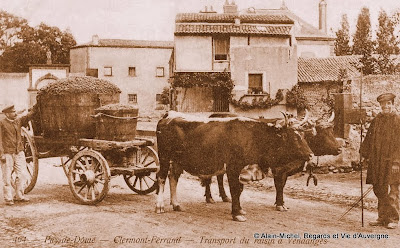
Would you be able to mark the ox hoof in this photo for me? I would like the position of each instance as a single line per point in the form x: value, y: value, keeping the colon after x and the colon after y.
x: 239, y: 218
x: 282, y: 208
x: 160, y: 210
x: 226, y: 199
x: 177, y: 208
x: 242, y: 212
x: 210, y: 200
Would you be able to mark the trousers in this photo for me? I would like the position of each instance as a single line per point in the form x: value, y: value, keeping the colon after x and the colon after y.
x: 17, y: 163
x: 388, y: 202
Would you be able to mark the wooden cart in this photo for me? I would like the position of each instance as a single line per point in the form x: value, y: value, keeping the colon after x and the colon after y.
x: 91, y: 163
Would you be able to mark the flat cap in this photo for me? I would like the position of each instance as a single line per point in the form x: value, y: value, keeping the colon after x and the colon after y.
x: 8, y: 109
x: 386, y: 97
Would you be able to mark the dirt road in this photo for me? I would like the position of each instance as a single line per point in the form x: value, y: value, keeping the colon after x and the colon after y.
x: 123, y: 219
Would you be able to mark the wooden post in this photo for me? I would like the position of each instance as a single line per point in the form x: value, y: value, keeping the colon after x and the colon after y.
x: 345, y: 114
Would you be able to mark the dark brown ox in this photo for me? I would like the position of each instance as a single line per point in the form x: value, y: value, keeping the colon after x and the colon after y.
x: 320, y: 138
x: 322, y: 142
x: 204, y: 147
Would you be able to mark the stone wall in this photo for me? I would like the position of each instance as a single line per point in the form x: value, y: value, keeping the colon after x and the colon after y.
x: 317, y: 95
x: 372, y: 87
x: 14, y: 89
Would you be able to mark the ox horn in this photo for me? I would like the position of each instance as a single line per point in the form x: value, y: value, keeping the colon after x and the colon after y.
x: 305, y: 119
x: 286, y: 118
x: 332, y: 117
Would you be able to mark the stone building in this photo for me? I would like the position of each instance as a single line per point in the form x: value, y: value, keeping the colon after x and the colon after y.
x: 259, y: 48
x: 311, y: 41
x: 320, y: 78
x: 139, y: 68
x: 258, y: 51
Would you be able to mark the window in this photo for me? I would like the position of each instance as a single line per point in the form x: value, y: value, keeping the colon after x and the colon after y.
x: 158, y: 97
x: 92, y: 72
x: 160, y: 72
x: 132, y: 71
x: 132, y: 98
x: 221, y: 48
x: 107, y: 71
x: 255, y: 84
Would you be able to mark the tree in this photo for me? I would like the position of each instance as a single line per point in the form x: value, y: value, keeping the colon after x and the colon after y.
x: 32, y: 45
x: 17, y: 57
x: 387, y: 43
x: 342, y: 46
x: 363, y: 44
x: 10, y: 26
x: 53, y: 39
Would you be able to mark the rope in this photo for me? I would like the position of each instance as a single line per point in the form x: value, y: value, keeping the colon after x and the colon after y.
x: 115, y: 117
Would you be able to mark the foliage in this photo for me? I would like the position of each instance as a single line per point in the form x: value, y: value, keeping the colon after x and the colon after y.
x: 10, y: 26
x: 387, y: 43
x: 203, y: 79
x: 21, y: 45
x: 261, y: 102
x: 329, y: 101
x: 165, y: 96
x: 296, y: 98
x: 15, y: 58
x: 343, y: 75
x: 363, y: 44
x: 342, y: 46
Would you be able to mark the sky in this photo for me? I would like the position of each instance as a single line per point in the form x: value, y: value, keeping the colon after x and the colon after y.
x: 154, y: 19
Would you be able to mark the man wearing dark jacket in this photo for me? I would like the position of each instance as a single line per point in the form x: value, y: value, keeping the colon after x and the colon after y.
x: 12, y: 156
x: 381, y: 151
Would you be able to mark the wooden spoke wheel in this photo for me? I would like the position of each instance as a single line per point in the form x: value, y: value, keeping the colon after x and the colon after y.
x: 65, y: 163
x: 89, y: 177
x: 32, y: 162
x: 144, y: 182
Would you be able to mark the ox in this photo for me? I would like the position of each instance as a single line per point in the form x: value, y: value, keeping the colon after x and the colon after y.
x: 205, y: 146
x: 320, y: 138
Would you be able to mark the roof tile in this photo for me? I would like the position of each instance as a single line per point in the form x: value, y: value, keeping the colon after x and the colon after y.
x: 231, y: 29
x: 312, y: 70
x: 130, y: 43
x: 230, y: 18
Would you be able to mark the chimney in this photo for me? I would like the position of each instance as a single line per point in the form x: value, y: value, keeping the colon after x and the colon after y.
x: 230, y: 8
x: 95, y: 40
x: 322, y: 16
x: 208, y: 9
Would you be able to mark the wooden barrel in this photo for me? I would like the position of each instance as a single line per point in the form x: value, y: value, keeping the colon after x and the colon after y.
x: 116, y: 122
x: 66, y: 107
x: 70, y: 116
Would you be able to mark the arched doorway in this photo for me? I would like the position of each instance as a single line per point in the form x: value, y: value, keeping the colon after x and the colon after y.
x: 41, y: 82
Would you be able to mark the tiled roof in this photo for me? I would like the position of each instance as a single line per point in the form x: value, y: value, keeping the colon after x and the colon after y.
x: 303, y: 30
x: 231, y: 29
x: 312, y: 70
x: 129, y: 43
x: 230, y: 18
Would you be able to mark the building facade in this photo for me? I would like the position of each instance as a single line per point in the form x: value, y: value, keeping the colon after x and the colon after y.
x: 312, y: 42
x: 259, y: 51
x: 139, y: 68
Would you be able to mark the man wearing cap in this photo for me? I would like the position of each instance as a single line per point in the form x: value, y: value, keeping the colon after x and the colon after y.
x: 381, y: 151
x: 12, y: 156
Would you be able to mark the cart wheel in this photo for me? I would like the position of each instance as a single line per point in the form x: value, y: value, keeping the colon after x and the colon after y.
x: 89, y: 177
x: 144, y: 182
x: 32, y: 161
x: 65, y: 163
